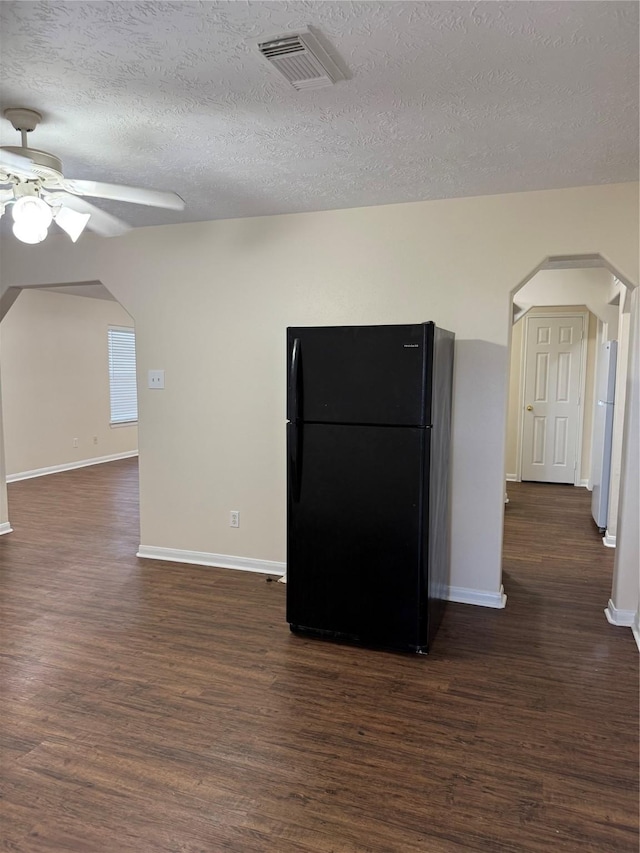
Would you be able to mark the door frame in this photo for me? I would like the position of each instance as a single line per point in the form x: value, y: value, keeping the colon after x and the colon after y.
x: 584, y: 315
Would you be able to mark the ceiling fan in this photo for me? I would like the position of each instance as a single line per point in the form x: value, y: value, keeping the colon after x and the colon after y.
x: 32, y: 182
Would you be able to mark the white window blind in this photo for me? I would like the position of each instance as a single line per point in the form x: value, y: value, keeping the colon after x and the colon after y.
x: 122, y: 375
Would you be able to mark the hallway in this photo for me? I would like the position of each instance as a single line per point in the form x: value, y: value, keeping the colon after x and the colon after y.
x: 555, y: 566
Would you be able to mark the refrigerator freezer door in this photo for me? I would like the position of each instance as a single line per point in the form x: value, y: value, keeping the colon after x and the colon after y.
x: 356, y: 560
x: 360, y: 374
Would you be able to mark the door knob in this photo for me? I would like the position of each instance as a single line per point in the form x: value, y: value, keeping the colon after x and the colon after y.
x: 529, y: 408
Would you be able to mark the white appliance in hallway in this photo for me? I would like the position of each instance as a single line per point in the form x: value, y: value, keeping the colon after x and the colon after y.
x: 603, y: 433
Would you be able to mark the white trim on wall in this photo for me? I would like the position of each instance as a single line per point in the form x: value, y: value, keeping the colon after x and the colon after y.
x: 462, y: 595
x: 480, y: 597
x: 622, y: 618
x: 69, y: 466
x: 577, y: 480
x: 5, y: 527
x: 218, y: 561
x: 609, y: 540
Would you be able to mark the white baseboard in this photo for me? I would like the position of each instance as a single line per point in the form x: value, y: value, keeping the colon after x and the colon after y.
x: 586, y: 484
x: 463, y: 595
x: 219, y: 561
x: 5, y: 527
x: 636, y: 634
x: 609, y: 540
x: 69, y: 466
x: 459, y: 594
x: 623, y: 618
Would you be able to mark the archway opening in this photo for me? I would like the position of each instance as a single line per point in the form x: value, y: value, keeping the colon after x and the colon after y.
x: 590, y: 294
x: 65, y: 405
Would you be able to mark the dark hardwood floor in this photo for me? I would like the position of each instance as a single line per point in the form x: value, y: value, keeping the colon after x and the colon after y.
x: 149, y: 706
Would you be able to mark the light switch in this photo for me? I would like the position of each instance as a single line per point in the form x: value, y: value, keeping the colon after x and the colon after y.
x: 156, y: 379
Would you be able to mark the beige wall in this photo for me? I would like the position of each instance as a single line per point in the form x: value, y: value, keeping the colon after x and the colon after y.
x: 513, y: 402
x: 515, y: 389
x: 212, y: 300
x: 625, y: 595
x: 4, y: 508
x: 624, y: 331
x: 55, y: 381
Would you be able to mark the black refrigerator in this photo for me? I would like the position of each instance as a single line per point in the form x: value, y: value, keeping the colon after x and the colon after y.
x: 368, y: 459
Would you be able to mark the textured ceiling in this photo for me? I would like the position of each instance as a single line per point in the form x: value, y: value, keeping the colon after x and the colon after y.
x: 443, y: 100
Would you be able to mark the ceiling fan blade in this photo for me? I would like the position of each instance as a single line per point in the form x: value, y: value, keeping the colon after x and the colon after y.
x: 16, y: 162
x: 119, y: 192
x: 101, y: 222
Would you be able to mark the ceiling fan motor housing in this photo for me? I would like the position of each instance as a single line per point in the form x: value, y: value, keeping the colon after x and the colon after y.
x: 23, y: 119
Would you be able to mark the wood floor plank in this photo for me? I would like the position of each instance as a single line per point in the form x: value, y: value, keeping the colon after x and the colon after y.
x: 149, y: 706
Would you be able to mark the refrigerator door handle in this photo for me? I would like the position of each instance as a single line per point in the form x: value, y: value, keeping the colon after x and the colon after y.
x: 294, y: 382
x: 295, y: 442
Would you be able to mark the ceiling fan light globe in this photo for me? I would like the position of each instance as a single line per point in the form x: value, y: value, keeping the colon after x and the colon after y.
x: 72, y: 222
x: 28, y: 233
x: 32, y: 212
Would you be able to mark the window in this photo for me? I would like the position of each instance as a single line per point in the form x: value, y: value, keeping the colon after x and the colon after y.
x: 123, y: 392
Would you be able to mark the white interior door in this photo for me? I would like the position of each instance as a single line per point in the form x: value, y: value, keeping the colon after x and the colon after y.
x: 552, y: 390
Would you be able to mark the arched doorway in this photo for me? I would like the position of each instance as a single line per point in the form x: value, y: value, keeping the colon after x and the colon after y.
x: 58, y: 383
x: 623, y: 605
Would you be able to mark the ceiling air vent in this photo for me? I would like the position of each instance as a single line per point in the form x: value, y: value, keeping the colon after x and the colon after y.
x: 301, y: 59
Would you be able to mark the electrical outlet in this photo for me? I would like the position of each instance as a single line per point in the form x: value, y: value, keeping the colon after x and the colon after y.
x: 234, y: 518
x: 75, y: 442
